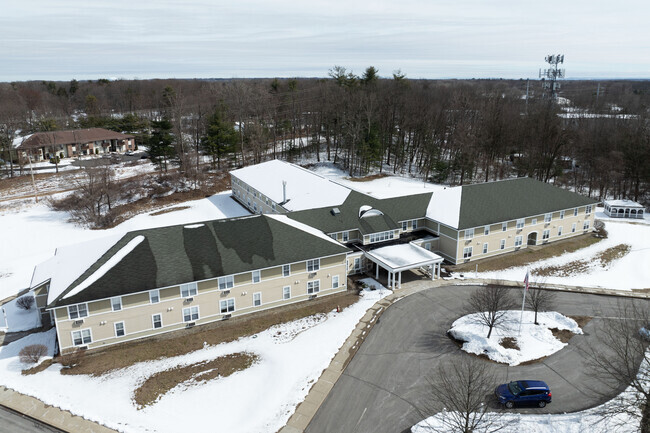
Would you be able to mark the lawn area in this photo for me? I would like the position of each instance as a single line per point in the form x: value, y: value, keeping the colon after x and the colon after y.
x: 101, y: 361
x: 526, y: 256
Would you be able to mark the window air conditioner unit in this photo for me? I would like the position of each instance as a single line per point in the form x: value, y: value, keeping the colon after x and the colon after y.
x: 84, y: 347
x: 227, y: 316
x: 190, y: 299
x: 190, y: 324
x: 312, y: 274
x: 79, y: 322
x: 313, y: 296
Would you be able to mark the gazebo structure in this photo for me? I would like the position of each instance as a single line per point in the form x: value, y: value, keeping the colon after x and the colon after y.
x: 403, y: 257
x: 623, y: 209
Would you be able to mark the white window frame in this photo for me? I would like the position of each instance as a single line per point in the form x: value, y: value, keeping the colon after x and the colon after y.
x: 561, y: 214
x: 123, y: 328
x: 346, y: 236
x: 546, y: 234
x: 504, y: 227
x: 188, y: 311
x: 405, y: 226
x: 519, y: 240
x: 548, y: 217
x: 414, y: 224
x: 520, y: 223
x: 77, y: 313
x: 227, y: 306
x: 559, y: 231
x: 313, y: 287
x: 585, y: 225
x: 469, y: 234
x: 256, y: 276
x: 533, y: 222
x: 286, y: 270
x: 116, y: 303
x: 467, y: 252
x: 189, y: 289
x: 354, y: 264
x: 587, y: 209
x: 485, y: 248
x: 486, y: 231
x: 335, y: 281
x: 82, y: 337
x: 257, y: 299
x: 153, y: 321
x: 502, y: 244
x: 286, y: 292
x: 573, y: 227
x: 575, y: 211
x: 154, y: 296
x: 313, y: 265
x: 226, y: 282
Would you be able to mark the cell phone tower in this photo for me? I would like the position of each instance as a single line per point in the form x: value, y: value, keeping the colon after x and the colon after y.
x: 552, y: 74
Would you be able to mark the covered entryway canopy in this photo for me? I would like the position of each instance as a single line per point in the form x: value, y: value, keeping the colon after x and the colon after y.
x: 403, y: 257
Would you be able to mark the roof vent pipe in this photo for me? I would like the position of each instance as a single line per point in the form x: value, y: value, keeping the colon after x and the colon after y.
x: 284, y: 191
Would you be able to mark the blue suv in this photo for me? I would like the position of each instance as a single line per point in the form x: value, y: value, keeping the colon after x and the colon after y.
x: 527, y: 392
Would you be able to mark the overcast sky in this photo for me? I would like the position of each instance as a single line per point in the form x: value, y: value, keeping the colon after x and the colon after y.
x: 90, y: 39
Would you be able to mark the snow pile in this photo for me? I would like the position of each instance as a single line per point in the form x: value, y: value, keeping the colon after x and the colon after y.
x: 273, y: 387
x: 19, y: 319
x: 535, y: 341
x: 10, y: 364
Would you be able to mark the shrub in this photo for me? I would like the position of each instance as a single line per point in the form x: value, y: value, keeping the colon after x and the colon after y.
x: 25, y: 302
x: 599, y: 229
x: 72, y: 358
x: 32, y: 353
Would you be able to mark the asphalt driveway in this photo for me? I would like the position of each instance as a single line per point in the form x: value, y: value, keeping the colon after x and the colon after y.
x: 385, y: 384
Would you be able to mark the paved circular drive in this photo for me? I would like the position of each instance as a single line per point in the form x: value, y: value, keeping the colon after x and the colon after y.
x: 385, y: 383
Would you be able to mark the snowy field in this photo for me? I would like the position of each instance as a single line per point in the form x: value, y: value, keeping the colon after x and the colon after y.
x: 259, y: 399
x: 534, y: 341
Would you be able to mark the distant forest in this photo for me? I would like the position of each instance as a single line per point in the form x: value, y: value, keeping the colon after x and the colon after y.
x: 594, y: 138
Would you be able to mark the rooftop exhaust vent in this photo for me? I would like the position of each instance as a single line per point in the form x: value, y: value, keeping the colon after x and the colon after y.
x: 335, y: 211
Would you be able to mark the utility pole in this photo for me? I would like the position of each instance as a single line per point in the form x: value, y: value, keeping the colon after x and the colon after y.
x: 552, y: 74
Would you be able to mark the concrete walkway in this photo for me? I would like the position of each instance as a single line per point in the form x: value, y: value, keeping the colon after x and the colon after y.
x: 50, y: 415
x: 307, y: 409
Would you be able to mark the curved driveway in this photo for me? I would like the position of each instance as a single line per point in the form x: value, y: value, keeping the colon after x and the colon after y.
x: 385, y: 382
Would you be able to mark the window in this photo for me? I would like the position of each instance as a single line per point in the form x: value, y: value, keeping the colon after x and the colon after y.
x: 157, y: 321
x: 573, y: 228
x: 469, y: 233
x: 467, y: 252
x: 286, y: 270
x: 256, y: 277
x: 547, y: 217
x: 286, y: 292
x: 588, y: 209
x: 190, y: 314
x: 518, y: 241
x: 346, y: 236
x: 226, y: 283
x: 357, y: 264
x: 257, y: 299
x: 119, y: 329
x: 77, y: 311
x: 313, y: 265
x: 546, y: 234
x: 313, y: 286
x: 405, y: 225
x: 414, y: 224
x: 559, y: 231
x: 227, y: 306
x: 81, y: 337
x: 561, y: 214
x: 585, y: 225
x: 255, y: 206
x: 486, y: 231
x: 382, y: 236
x: 520, y: 223
x: 485, y: 248
x: 273, y: 205
x: 533, y: 222
x: 502, y: 246
x: 189, y: 289
x: 335, y: 281
x: 154, y: 296
x: 116, y: 303
x: 333, y: 236
x: 575, y: 212
x: 504, y: 227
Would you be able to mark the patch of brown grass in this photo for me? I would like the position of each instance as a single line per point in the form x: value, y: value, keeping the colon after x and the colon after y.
x: 160, y: 383
x: 604, y: 259
x: 101, y: 361
x: 509, y: 343
x: 171, y: 209
x: 581, y: 320
x: 368, y: 178
x: 526, y: 256
x: 40, y: 367
x: 564, y: 335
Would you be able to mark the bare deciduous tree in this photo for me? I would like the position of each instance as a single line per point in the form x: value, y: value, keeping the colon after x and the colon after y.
x: 490, y: 304
x: 32, y: 353
x: 25, y: 302
x: 538, y: 299
x: 459, y: 395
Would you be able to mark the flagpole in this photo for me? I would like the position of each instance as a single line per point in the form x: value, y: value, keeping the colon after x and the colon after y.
x: 521, y: 317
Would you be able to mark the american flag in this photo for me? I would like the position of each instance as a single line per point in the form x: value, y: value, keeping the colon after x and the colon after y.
x: 526, y: 281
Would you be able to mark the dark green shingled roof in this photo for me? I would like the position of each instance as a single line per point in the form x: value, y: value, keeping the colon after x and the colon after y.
x: 394, y: 209
x: 174, y: 255
x: 506, y: 200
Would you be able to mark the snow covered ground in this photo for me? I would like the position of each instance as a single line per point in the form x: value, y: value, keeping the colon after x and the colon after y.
x: 534, y: 341
x: 259, y: 399
x: 16, y: 319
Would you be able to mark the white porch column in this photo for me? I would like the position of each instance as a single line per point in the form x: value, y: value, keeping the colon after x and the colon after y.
x: 433, y: 271
x: 439, y: 266
x: 399, y: 281
x: 376, y: 271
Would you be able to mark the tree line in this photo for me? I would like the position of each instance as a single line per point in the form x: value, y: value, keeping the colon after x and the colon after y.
x: 595, y: 138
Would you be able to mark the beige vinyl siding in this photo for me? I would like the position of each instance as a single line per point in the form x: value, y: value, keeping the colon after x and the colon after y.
x: 135, y: 300
x: 170, y: 293
x: 271, y: 273
x: 102, y: 306
x: 245, y: 278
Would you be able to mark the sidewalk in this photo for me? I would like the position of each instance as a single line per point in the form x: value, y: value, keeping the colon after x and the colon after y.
x: 318, y: 392
x: 50, y: 415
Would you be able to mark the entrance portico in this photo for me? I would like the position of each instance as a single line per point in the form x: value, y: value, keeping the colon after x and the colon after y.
x: 398, y: 258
